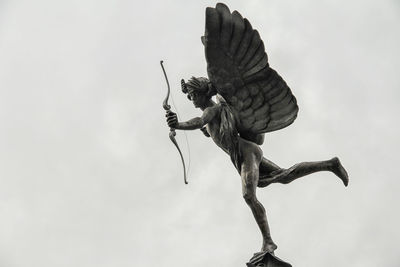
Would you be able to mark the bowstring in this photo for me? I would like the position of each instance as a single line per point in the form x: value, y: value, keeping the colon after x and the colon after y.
x: 186, y: 138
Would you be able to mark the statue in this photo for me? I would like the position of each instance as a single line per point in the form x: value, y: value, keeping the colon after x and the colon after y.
x: 252, y: 99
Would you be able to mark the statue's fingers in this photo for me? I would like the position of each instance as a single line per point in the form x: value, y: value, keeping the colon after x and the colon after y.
x: 172, y: 116
x: 171, y: 124
x: 172, y: 119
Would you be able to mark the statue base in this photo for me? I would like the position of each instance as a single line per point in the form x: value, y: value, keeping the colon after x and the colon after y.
x: 266, y: 259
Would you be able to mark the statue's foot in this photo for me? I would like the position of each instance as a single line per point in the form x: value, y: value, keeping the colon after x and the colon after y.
x: 339, y: 170
x: 269, y: 246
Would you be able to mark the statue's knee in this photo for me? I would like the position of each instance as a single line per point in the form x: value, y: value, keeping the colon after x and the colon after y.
x: 249, y: 197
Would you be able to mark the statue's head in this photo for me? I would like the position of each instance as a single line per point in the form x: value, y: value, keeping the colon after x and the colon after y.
x: 199, y: 90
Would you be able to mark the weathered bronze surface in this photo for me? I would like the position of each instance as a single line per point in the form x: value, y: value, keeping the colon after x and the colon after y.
x: 252, y: 99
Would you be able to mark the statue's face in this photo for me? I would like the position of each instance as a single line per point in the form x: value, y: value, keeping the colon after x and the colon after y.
x: 199, y: 100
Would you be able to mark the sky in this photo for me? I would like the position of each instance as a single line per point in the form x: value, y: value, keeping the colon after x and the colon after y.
x: 89, y: 177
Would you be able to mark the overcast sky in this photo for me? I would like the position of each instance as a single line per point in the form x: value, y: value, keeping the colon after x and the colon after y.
x: 89, y: 177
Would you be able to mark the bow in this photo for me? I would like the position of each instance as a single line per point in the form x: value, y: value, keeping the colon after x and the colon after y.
x: 172, y: 132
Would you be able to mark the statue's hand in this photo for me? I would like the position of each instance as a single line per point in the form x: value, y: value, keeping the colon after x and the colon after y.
x: 172, y: 119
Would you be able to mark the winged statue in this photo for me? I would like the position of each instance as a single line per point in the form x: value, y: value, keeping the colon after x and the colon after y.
x: 242, y: 99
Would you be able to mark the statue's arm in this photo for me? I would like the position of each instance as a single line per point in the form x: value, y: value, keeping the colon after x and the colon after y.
x: 193, y: 124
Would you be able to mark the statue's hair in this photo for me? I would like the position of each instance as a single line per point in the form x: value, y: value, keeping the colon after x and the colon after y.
x: 199, y: 84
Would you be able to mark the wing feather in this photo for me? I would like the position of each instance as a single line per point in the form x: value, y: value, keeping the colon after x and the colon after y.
x: 253, y: 88
x: 287, y: 109
x: 245, y: 42
x: 259, y: 69
x: 283, y: 91
x: 248, y: 123
x: 242, y: 93
x: 226, y: 23
x: 212, y: 26
x: 259, y: 124
x: 252, y: 49
x: 258, y: 102
x: 272, y: 89
x: 237, y: 33
x: 246, y: 113
x: 246, y: 103
x: 261, y: 112
x: 259, y: 55
x: 282, y: 103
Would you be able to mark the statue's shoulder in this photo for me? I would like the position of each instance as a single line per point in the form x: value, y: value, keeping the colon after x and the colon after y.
x: 214, y: 110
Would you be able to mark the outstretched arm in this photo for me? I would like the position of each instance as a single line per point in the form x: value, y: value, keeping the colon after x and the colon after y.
x: 193, y: 124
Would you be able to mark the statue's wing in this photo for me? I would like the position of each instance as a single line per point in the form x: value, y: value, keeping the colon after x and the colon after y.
x: 237, y: 66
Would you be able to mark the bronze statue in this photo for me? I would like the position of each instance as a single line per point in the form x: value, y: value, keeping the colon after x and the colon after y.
x: 252, y: 99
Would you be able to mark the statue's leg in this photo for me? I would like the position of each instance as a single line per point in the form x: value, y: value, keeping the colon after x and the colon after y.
x: 286, y: 176
x: 252, y: 156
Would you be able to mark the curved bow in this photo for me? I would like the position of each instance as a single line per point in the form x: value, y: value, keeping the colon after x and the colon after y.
x: 172, y: 132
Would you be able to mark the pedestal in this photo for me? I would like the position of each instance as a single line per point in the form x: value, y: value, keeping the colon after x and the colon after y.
x: 266, y: 259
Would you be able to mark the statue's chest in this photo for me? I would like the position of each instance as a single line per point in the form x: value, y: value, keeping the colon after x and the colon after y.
x: 213, y: 128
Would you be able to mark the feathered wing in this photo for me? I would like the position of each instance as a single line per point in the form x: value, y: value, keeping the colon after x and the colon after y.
x: 237, y: 66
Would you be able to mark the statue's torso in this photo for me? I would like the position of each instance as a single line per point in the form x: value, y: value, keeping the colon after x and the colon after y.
x: 219, y: 137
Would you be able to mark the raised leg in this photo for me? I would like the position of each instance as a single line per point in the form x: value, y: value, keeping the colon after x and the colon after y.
x: 286, y: 176
x: 249, y: 174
